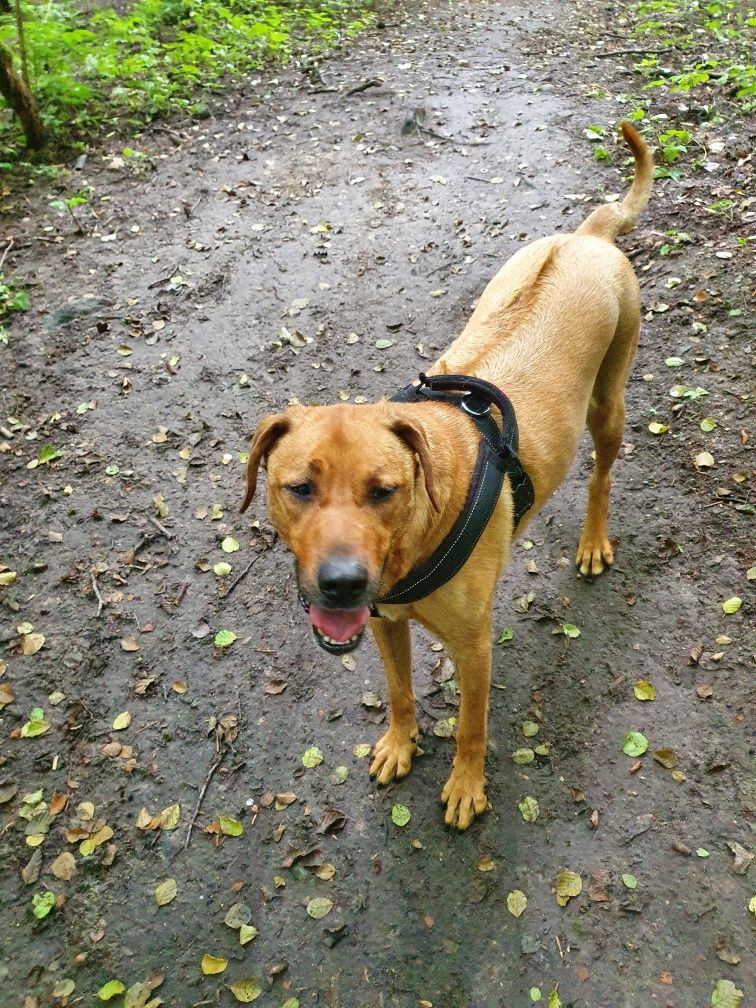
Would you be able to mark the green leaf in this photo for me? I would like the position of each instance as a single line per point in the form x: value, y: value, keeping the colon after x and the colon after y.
x: 569, y: 630
x: 658, y: 428
x: 222, y: 569
x: 630, y: 881
x: 383, y: 344
x: 674, y: 362
x: 523, y: 756
x: 47, y: 454
x: 312, y: 757
x: 246, y: 990
x: 246, y: 933
x: 635, y: 744
x: 702, y: 852
x: 554, y: 1001
x: 506, y: 635
x: 535, y: 994
x: 319, y: 906
x: 224, y: 638
x: 230, y: 545
x: 528, y: 809
x: 726, y: 995
x: 708, y: 424
x: 361, y: 751
x: 111, y: 989
x: 42, y: 904
x: 529, y: 729
x: 339, y: 775
x: 400, y: 815
x: 291, y: 1003
x: 752, y: 905
x: 230, y: 827
x: 731, y: 605
x: 644, y: 690
x: 36, y: 725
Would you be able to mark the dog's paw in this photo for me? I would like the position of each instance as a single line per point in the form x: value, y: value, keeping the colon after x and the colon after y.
x: 392, y: 754
x: 465, y: 797
x: 594, y: 555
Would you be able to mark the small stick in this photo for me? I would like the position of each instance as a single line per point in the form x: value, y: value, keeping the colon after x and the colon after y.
x: 7, y: 249
x: 96, y: 590
x: 160, y: 527
x: 363, y: 87
x: 243, y: 574
x: 201, y: 795
x: 627, y: 52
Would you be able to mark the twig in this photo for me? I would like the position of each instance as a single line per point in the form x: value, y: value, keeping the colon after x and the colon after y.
x: 373, y: 82
x: 96, y: 590
x: 627, y: 52
x: 7, y: 249
x: 243, y: 574
x: 160, y: 527
x: 201, y: 795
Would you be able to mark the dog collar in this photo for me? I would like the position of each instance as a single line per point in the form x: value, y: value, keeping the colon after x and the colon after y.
x: 497, y: 458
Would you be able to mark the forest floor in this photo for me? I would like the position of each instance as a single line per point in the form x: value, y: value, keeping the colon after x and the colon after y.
x: 304, y: 242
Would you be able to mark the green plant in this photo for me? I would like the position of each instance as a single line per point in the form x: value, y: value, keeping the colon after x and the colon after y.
x: 159, y: 56
x: 12, y: 299
x: 68, y: 204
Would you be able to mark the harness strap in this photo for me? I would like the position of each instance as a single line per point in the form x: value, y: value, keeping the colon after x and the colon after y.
x: 497, y: 457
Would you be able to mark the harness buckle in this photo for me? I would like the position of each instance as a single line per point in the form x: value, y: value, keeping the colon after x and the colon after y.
x: 474, y: 405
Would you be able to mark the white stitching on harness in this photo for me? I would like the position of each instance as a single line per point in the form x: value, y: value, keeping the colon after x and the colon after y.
x: 451, y: 545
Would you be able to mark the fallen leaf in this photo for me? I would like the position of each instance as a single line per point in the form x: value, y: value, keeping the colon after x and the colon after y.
x: 731, y: 605
x: 212, y: 964
x: 658, y: 428
x: 742, y: 857
x: 361, y: 751
x: 630, y: 881
x: 319, y: 906
x: 516, y: 902
x: 230, y: 545
x: 165, y: 891
x: 42, y: 904
x: 486, y: 864
x: 666, y: 758
x: 222, y: 569
x: 31, y: 643
x: 169, y: 817
x: 246, y: 990
x: 567, y: 884
x: 246, y: 933
x: 644, y: 690
x: 122, y: 721
x: 400, y: 815
x: 570, y: 630
x: 529, y: 729
x: 230, y: 827
x: 130, y: 643
x: 635, y: 744
x: 528, y: 809
x: 110, y: 990
x: 523, y: 756
x: 726, y: 995
x: 224, y: 638
x: 312, y: 757
x: 704, y: 460
x: 64, y: 866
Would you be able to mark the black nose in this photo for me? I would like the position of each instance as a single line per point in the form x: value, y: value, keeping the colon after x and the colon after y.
x: 342, y: 581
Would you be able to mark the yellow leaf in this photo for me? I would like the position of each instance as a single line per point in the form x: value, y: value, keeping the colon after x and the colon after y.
x: 165, y: 891
x: 31, y: 643
x: 169, y: 817
x: 212, y: 964
x: 122, y: 721
x: 516, y: 902
x: 246, y: 990
x: 567, y: 884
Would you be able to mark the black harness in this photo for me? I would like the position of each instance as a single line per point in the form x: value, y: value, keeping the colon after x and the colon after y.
x: 497, y: 458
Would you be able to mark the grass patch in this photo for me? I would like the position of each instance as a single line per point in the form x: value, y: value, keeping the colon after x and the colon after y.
x: 110, y: 70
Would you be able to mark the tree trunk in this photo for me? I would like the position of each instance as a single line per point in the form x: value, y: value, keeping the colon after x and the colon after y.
x: 21, y: 100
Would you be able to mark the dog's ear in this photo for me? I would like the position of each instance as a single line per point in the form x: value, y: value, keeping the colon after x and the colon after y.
x: 268, y: 432
x: 413, y: 436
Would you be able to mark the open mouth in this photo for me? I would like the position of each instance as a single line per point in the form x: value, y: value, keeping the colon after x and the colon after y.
x: 338, y: 631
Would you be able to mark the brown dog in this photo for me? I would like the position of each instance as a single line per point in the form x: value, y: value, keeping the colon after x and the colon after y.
x: 361, y: 494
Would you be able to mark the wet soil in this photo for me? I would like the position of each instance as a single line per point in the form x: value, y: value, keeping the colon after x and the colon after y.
x: 223, y: 275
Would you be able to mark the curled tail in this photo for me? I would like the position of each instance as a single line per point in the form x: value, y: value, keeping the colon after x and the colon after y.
x: 614, y: 219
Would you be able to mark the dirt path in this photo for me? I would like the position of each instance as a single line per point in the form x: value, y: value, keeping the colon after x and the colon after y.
x: 227, y: 273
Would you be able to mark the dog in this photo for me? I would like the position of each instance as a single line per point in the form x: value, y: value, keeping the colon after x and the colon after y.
x: 362, y: 493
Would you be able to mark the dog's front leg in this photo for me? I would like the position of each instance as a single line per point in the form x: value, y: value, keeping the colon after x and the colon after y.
x: 464, y: 792
x: 392, y: 755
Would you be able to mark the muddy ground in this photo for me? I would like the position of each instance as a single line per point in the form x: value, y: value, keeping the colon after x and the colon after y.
x: 153, y: 345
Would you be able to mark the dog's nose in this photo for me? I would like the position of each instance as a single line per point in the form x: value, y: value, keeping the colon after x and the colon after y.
x: 342, y: 581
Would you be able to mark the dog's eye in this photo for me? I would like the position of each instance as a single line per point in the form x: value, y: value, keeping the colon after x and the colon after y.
x: 380, y: 494
x: 302, y: 491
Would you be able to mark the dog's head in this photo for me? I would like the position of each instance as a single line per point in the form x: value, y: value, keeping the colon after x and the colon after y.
x: 343, y: 484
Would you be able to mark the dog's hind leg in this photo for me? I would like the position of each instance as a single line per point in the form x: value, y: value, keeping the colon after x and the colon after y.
x: 606, y: 420
x: 392, y: 754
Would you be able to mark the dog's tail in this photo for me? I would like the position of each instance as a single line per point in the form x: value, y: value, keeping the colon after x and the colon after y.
x: 614, y: 219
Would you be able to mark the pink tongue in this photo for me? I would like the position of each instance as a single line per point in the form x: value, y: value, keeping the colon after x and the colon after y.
x: 339, y: 624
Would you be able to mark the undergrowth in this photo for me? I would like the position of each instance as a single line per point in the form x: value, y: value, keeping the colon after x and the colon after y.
x: 707, y: 50
x: 108, y: 70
